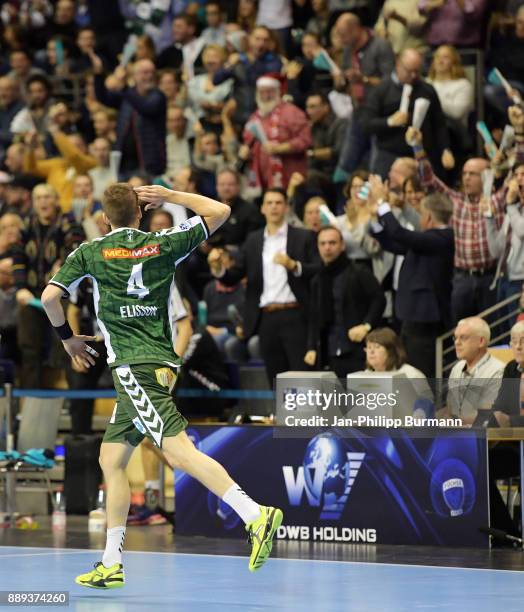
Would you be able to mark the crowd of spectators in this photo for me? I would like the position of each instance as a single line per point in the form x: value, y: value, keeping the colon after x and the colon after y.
x: 351, y: 211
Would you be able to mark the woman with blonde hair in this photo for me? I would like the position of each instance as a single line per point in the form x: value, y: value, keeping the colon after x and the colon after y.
x: 145, y: 48
x: 447, y: 76
x: 455, y: 94
x: 360, y: 246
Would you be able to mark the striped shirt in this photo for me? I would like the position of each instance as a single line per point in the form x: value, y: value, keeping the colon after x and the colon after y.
x: 471, y: 237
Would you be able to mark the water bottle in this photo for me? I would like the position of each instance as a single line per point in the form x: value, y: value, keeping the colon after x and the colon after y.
x: 97, y: 522
x: 58, y: 519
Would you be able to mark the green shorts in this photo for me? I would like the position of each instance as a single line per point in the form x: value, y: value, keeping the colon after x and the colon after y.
x: 144, y: 405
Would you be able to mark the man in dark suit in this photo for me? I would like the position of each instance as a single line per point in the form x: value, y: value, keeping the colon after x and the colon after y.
x: 381, y: 117
x: 422, y: 302
x: 278, y: 261
x: 346, y: 304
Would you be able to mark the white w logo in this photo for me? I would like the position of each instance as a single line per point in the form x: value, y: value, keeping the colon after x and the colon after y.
x: 148, y: 415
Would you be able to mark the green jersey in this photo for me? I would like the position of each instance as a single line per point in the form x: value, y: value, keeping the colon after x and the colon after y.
x: 133, y: 279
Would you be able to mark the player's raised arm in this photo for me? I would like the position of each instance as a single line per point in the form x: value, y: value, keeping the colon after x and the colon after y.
x: 75, y: 346
x: 214, y: 213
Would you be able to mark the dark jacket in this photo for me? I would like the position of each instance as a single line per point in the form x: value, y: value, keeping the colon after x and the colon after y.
x: 508, y: 398
x: 245, y: 218
x: 424, y: 288
x: 364, y: 302
x: 149, y: 115
x: 6, y: 117
x: 328, y: 133
x: 42, y: 247
x: 171, y: 57
x: 384, y: 100
x: 301, y: 246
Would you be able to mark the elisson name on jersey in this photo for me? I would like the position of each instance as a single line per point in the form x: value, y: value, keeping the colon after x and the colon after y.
x: 135, y: 310
x: 122, y: 253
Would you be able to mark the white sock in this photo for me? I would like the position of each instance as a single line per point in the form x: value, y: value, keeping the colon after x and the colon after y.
x: 153, y: 484
x: 114, y: 545
x: 242, y: 504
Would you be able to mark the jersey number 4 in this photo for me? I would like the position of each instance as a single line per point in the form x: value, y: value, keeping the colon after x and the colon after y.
x: 135, y: 284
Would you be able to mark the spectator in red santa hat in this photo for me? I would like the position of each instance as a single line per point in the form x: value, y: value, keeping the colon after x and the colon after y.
x: 276, y: 137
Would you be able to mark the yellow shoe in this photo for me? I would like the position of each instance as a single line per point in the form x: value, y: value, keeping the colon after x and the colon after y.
x: 260, y: 535
x: 103, y: 577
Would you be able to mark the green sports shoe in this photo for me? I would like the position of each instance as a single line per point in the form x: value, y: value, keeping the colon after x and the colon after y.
x: 260, y: 534
x: 103, y: 577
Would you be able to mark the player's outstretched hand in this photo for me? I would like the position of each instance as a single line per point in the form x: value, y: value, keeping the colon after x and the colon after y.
x: 155, y: 195
x: 81, y: 352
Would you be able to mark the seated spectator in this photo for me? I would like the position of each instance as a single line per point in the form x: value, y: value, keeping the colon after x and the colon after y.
x: 474, y: 380
x: 207, y: 155
x: 346, y: 304
x: 449, y: 23
x: 59, y: 171
x: 422, y: 301
x: 386, y: 353
x: 508, y: 408
x: 507, y: 411
x: 455, y: 93
x: 277, y: 135
x: 141, y: 128
x: 401, y: 23
x: 382, y: 118
x: 360, y: 246
x: 205, y: 98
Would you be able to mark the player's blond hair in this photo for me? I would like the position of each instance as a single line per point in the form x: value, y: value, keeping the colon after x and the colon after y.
x: 120, y: 204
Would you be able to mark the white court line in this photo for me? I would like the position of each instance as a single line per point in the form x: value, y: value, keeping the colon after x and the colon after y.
x: 180, y: 554
x: 42, y: 554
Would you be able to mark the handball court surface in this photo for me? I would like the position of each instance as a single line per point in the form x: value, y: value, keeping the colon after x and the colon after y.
x: 169, y: 572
